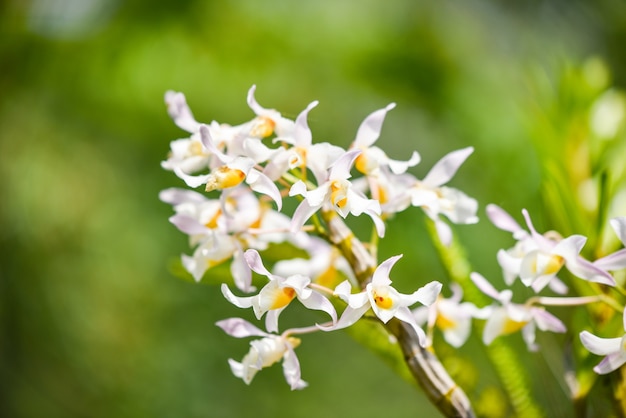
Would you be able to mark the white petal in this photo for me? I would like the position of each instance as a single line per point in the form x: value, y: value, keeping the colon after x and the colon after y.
x: 252, y: 103
x: 381, y: 274
x: 369, y: 130
x: 240, y: 302
x: 298, y: 188
x: 302, y: 133
x: 191, y: 181
x: 447, y: 167
x: 348, y: 317
x: 302, y: 214
x: 404, y: 314
x: 600, y: 346
x: 619, y: 225
x: 319, y: 302
x: 494, y: 325
x: 260, y: 183
x: 271, y: 319
x: 340, y: 170
x: 444, y: 232
x: 427, y: 295
x: 399, y: 167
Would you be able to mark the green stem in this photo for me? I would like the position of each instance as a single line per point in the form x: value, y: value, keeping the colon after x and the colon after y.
x: 511, y: 372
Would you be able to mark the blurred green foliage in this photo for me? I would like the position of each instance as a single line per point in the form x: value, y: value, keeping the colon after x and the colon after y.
x: 93, y: 324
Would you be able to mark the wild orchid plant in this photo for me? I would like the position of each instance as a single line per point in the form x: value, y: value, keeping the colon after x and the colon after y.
x: 254, y: 166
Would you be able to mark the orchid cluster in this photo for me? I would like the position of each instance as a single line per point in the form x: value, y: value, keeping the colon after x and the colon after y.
x: 247, y: 171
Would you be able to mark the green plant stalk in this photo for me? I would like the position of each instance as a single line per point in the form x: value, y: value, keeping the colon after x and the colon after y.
x: 511, y: 372
x: 423, y: 364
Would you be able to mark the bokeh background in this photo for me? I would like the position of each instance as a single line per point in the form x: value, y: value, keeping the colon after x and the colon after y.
x: 92, y: 321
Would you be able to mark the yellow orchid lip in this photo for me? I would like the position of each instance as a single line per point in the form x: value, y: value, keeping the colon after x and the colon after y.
x: 224, y: 178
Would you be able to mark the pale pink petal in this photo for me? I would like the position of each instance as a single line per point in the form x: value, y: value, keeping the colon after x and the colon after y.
x: 546, y: 321
x: 188, y: 225
x: 541, y: 241
x: 209, y: 144
x: 179, y: 111
x: 291, y: 369
x: 588, y: 271
x: 242, y: 276
x: 253, y: 258
x: 175, y: 196
x: 611, y: 362
x: 615, y: 261
x: 240, y: 328
x: 369, y: 130
x: 484, y: 285
x: 501, y: 219
x: 557, y: 286
x: 447, y: 167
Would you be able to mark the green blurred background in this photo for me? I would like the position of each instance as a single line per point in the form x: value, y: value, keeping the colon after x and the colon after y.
x: 92, y: 322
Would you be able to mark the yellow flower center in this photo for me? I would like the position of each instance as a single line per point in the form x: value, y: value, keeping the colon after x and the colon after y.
x: 362, y: 163
x: 283, y: 297
x: 511, y: 326
x: 195, y: 148
x: 554, y: 264
x: 212, y: 223
x: 338, y: 194
x: 444, y: 323
x: 382, y: 299
x: 224, y: 177
x: 262, y: 127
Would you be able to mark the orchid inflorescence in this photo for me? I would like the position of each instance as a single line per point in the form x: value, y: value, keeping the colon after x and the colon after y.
x: 249, y: 169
